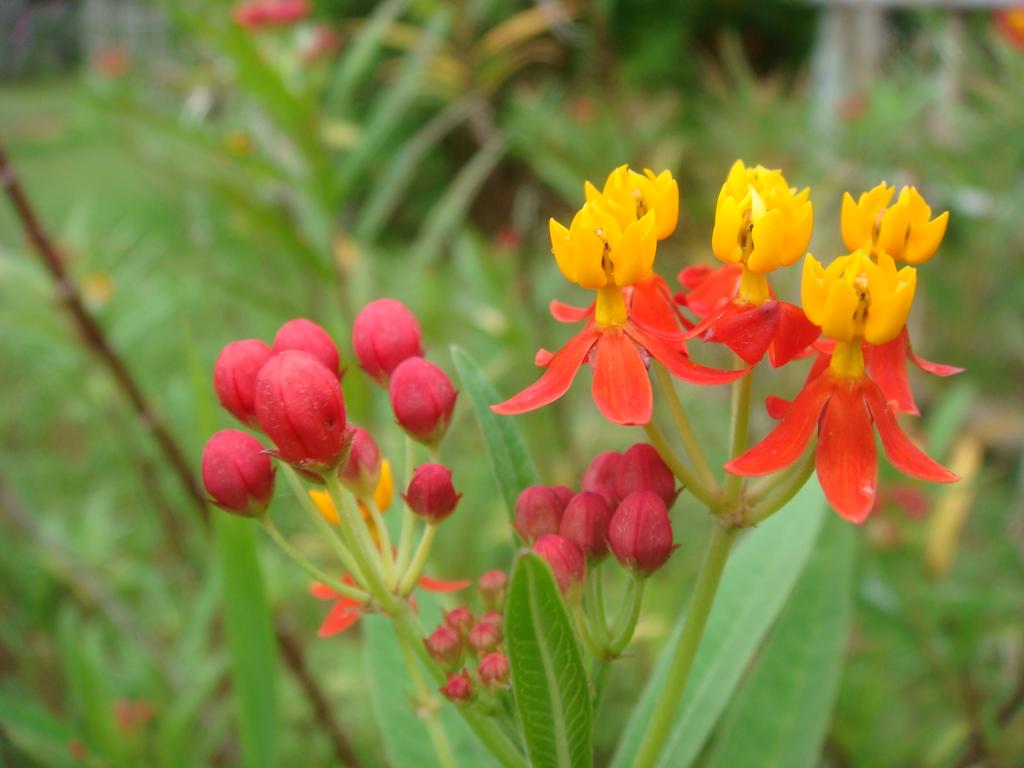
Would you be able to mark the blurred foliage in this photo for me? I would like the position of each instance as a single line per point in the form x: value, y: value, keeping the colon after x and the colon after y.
x: 218, y: 194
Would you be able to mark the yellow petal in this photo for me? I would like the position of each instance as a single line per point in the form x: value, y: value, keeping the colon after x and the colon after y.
x: 892, y: 236
x: 590, y: 192
x: 889, y: 310
x: 767, y: 235
x: 812, y: 290
x: 633, y: 256
x: 324, y: 504
x: 666, y: 205
x: 562, y: 249
x: 798, y: 235
x: 838, y: 316
x: 924, y: 242
x: 385, y: 490
x: 856, y: 231
x: 725, y: 235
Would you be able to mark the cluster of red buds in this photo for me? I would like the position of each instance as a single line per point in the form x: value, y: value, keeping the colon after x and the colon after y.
x: 621, y: 508
x: 470, y: 648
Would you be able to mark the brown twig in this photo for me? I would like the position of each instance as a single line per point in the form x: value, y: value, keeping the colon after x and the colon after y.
x: 69, y: 295
x: 292, y: 652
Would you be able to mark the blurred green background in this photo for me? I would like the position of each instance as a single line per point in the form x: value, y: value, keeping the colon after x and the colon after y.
x: 205, y: 182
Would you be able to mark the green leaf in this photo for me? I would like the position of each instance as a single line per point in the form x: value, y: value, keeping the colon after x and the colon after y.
x: 393, y: 702
x: 550, y: 685
x: 512, y: 464
x: 246, y: 610
x: 779, y: 717
x: 35, y: 731
x: 357, y: 61
x: 758, y: 578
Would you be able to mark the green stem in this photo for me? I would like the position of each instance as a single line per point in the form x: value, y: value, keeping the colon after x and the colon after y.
x: 593, y: 600
x: 629, y: 614
x: 339, y: 548
x: 311, y: 570
x: 411, y: 577
x: 584, y: 631
x: 675, y: 463
x: 741, y: 389
x: 777, y: 494
x: 428, y: 706
x: 367, y: 558
x: 387, y: 554
x: 664, y: 710
x: 690, y: 442
x: 408, y: 518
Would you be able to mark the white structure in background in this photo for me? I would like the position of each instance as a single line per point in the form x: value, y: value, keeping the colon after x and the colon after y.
x: 135, y: 26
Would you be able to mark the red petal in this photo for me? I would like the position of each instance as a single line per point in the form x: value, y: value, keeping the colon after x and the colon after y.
x: 652, y: 307
x: 322, y: 591
x: 902, y: 453
x: 566, y: 313
x: 621, y: 387
x: 936, y: 369
x: 777, y: 407
x: 691, y: 277
x: 556, y: 380
x: 439, y: 585
x: 714, y: 291
x: 887, y: 364
x: 747, y: 330
x: 845, y: 461
x: 788, y: 440
x: 678, y: 363
x: 341, y: 616
x: 794, y: 335
x: 543, y: 358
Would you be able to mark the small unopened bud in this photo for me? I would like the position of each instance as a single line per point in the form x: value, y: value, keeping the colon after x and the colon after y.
x: 641, y: 469
x: 600, y: 475
x: 306, y: 336
x: 566, y: 561
x: 237, y: 473
x: 485, y: 636
x: 234, y: 378
x: 431, y: 494
x: 461, y: 620
x: 422, y: 399
x: 539, y: 510
x: 300, y: 406
x: 445, y: 646
x: 360, y: 472
x: 493, y: 617
x: 459, y: 688
x: 385, y: 334
x: 492, y: 586
x: 585, y: 524
x: 640, y: 533
x: 493, y: 670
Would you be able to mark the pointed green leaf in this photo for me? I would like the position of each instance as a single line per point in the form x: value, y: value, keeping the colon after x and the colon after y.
x: 778, y: 719
x: 758, y: 578
x: 550, y: 684
x: 512, y: 464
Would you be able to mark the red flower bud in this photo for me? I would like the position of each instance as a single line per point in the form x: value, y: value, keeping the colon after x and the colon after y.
x: 485, y: 636
x: 459, y: 688
x: 445, y: 646
x: 641, y: 469
x: 492, y: 586
x: 640, y: 533
x: 234, y: 378
x: 564, y: 494
x: 422, y: 398
x: 493, y: 670
x: 237, y: 473
x: 566, y: 561
x: 431, y: 494
x: 461, y: 620
x: 600, y: 475
x: 384, y: 334
x: 539, y: 510
x: 306, y: 336
x: 300, y: 406
x: 493, y: 617
x: 360, y: 472
x: 585, y: 524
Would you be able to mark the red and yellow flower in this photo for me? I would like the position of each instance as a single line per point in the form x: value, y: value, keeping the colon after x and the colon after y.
x: 855, y: 300
x: 902, y: 231
x: 761, y: 224
x: 609, y: 248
